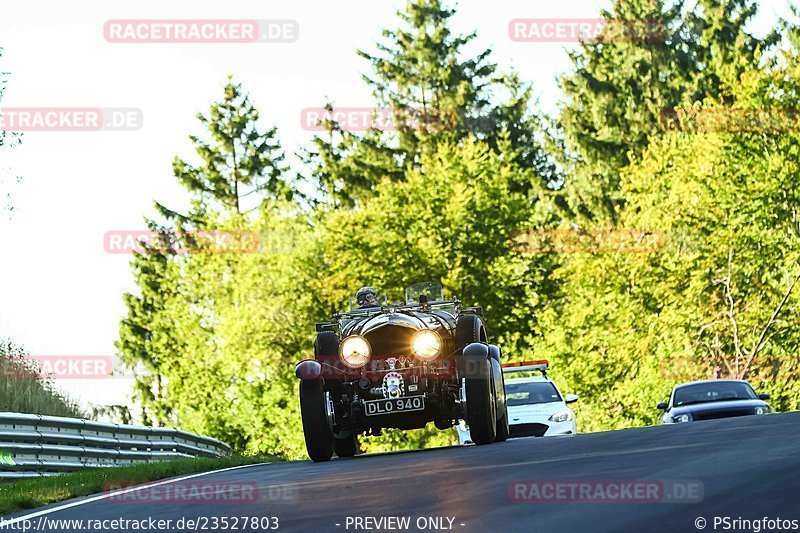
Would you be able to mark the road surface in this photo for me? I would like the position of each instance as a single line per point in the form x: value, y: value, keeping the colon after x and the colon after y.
x: 686, y: 475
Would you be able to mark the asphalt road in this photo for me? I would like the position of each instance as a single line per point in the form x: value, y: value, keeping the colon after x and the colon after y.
x: 740, y: 468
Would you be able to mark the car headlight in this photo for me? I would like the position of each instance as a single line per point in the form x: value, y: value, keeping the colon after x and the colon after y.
x: 682, y: 418
x: 762, y: 410
x: 561, y: 416
x: 426, y: 344
x: 355, y: 351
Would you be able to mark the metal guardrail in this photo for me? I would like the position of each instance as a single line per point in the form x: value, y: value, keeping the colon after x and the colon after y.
x: 34, y: 445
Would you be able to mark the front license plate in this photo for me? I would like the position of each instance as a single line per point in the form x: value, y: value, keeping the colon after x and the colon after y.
x: 395, y: 405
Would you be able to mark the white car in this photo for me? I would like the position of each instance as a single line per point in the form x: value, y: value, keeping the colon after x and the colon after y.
x: 536, y: 408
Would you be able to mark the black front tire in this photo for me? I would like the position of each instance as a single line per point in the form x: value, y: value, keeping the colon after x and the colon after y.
x: 481, y: 415
x: 346, y: 447
x: 503, y: 430
x: 316, y: 429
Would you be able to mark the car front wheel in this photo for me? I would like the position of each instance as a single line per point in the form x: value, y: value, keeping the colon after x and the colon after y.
x: 316, y: 413
x: 503, y: 430
x: 481, y: 415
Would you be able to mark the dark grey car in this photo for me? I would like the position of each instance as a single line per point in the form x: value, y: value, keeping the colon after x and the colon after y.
x: 710, y: 399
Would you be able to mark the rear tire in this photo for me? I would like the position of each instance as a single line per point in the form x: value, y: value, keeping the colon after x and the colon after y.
x: 316, y: 429
x: 346, y: 447
x: 481, y: 415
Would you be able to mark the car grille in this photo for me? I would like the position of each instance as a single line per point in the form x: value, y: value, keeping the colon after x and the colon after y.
x: 721, y: 413
x: 528, y: 430
x: 390, y: 341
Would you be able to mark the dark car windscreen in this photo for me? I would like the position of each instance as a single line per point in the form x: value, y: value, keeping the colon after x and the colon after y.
x: 531, y: 393
x: 713, y: 392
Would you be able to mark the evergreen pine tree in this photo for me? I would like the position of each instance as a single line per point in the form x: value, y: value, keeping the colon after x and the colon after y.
x: 437, y: 94
x: 619, y: 91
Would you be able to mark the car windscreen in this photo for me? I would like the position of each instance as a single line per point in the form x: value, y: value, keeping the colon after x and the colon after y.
x: 430, y: 289
x: 713, y: 392
x: 531, y: 393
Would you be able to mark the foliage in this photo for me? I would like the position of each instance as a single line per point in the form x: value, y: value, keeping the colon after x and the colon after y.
x: 214, y: 328
x: 213, y: 333
x: 710, y: 302
x: 24, y: 390
x: 437, y: 93
x: 450, y: 221
x: 622, y: 88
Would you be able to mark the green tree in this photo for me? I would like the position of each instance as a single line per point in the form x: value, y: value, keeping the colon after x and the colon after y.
x: 451, y: 220
x: 725, y: 191
x: 237, y: 161
x: 437, y: 93
x: 208, y: 330
x: 621, y: 88
x: 147, y: 340
x: 720, y: 297
x: 725, y: 51
x: 791, y: 28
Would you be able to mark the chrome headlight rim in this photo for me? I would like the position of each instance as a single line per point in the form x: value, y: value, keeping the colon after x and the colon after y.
x: 347, y: 350
x: 415, y: 348
x: 682, y: 419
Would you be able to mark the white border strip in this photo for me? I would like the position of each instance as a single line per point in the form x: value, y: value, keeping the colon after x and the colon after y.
x: 7, y: 523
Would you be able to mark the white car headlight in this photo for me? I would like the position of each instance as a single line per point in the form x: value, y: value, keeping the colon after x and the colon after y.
x: 762, y: 410
x: 355, y: 351
x: 561, y: 416
x: 682, y: 418
x: 426, y: 344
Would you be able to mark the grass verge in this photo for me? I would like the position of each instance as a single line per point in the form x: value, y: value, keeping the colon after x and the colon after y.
x: 31, y: 493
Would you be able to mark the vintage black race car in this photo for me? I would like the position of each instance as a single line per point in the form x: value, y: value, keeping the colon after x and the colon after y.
x: 401, y: 366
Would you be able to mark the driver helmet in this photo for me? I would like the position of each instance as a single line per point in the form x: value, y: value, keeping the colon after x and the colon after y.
x: 367, y: 297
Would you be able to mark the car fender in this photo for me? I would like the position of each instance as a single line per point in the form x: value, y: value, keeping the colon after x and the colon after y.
x: 308, y: 369
x: 475, y: 359
x: 476, y: 356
